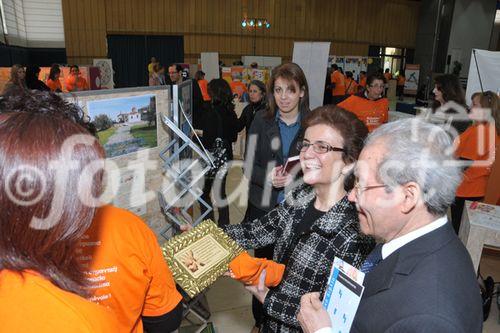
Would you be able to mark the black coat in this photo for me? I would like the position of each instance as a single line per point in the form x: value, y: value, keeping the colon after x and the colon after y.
x: 261, y: 151
x: 428, y: 285
x: 219, y: 122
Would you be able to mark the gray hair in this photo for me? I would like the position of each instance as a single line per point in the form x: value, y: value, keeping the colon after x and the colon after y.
x: 420, y: 152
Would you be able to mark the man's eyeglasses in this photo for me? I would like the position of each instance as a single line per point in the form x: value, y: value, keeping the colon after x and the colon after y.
x: 318, y: 147
x: 360, y: 189
x: 376, y: 86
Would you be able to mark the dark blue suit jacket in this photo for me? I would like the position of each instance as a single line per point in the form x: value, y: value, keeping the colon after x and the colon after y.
x: 428, y: 285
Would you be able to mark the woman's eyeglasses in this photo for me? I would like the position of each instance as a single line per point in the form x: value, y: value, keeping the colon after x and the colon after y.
x: 318, y: 147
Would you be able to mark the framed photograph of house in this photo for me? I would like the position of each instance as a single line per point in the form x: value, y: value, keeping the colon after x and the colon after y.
x: 126, y: 124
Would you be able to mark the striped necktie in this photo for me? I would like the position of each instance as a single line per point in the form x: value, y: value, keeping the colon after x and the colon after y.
x: 372, y: 259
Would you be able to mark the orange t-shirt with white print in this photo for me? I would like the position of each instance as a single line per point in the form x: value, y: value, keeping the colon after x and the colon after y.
x: 339, y: 80
x: 126, y: 268
x: 31, y: 303
x: 371, y: 112
x: 475, y: 144
x: 238, y: 87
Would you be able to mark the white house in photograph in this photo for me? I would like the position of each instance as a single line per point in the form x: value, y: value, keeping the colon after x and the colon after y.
x: 130, y: 117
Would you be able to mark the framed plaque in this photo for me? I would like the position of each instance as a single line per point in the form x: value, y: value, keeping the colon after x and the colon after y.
x: 199, y: 256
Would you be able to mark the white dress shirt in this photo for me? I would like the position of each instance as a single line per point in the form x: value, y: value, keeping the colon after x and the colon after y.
x: 393, y: 245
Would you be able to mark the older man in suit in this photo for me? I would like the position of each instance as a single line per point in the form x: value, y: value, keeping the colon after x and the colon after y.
x: 420, y: 277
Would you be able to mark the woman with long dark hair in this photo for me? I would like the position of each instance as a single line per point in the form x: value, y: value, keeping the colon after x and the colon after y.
x: 449, y: 102
x: 32, y: 80
x: 272, y: 138
x: 257, y: 96
x: 220, y: 122
x: 53, y: 81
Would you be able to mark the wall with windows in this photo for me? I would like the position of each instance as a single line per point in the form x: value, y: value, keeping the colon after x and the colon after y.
x: 33, y: 23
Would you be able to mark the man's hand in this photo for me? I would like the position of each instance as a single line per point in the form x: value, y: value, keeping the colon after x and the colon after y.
x: 312, y: 316
x: 260, y: 290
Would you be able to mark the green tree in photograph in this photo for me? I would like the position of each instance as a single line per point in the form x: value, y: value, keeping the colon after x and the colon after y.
x: 103, y: 122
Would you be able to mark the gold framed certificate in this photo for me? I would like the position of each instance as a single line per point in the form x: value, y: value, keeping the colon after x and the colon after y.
x: 199, y: 256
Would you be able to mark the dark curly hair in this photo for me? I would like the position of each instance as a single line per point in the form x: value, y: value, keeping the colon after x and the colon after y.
x: 48, y: 103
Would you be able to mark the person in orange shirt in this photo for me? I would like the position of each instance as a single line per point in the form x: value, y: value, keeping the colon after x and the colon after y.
x: 53, y: 81
x: 475, y: 146
x: 400, y: 88
x: 370, y: 106
x: 75, y: 82
x: 338, y: 82
x: 351, y: 87
x: 199, y: 76
x: 238, y: 87
x: 42, y: 286
x: 127, y: 273
x: 387, y: 75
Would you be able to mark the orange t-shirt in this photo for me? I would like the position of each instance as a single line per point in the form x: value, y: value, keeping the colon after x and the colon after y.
x: 126, y: 268
x: 475, y: 138
x: 31, y: 303
x: 204, y: 89
x: 238, y: 87
x: 351, y: 86
x: 74, y: 83
x: 54, y: 85
x: 372, y: 113
x: 338, y: 79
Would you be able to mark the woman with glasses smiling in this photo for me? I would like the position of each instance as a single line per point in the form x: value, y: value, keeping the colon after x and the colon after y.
x: 316, y: 222
x: 370, y: 106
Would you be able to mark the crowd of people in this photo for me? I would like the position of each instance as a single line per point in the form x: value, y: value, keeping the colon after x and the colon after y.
x: 371, y: 192
x: 27, y: 78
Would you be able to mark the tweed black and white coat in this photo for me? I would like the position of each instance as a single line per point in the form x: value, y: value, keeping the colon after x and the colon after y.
x: 310, y: 254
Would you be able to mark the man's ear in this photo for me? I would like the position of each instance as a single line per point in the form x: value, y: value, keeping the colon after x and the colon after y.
x: 412, y: 195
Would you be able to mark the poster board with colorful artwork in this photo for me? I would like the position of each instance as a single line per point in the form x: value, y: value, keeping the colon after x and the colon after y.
x: 90, y: 73
x: 135, y: 176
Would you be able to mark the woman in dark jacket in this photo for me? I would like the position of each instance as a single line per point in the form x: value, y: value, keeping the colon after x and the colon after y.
x: 316, y: 222
x: 32, y: 81
x: 272, y: 138
x: 220, y: 121
x: 257, y: 95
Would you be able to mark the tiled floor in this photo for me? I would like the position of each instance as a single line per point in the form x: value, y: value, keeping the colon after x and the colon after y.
x: 230, y: 303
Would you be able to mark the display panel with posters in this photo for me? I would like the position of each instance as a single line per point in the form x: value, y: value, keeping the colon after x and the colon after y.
x: 136, y: 175
x: 412, y: 73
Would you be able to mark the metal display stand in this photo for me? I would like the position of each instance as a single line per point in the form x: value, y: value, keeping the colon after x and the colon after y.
x: 185, y: 163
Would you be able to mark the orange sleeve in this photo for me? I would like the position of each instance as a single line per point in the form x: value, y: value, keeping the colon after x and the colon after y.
x: 385, y: 110
x: 347, y: 103
x: 70, y: 83
x: 247, y: 269
x: 162, y: 295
